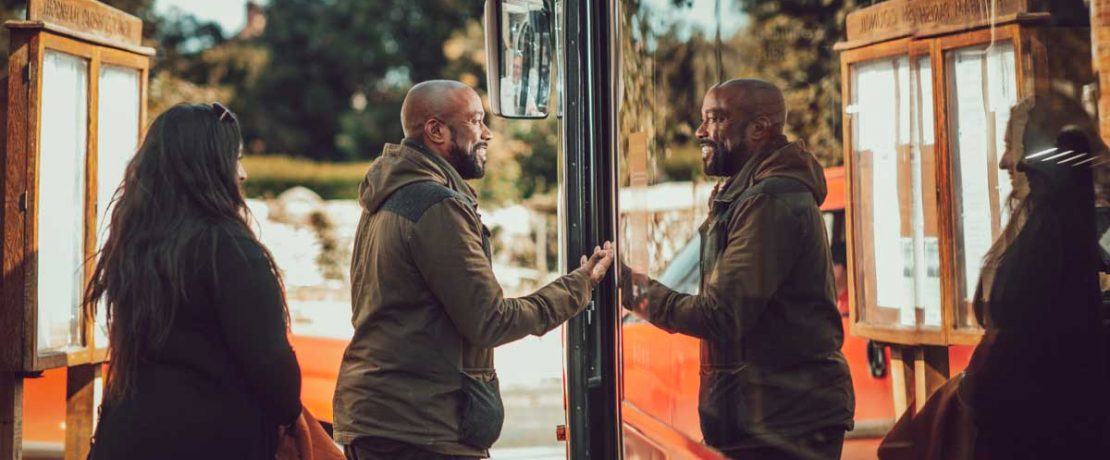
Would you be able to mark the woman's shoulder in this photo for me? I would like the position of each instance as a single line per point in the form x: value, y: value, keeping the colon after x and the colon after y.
x: 228, y: 245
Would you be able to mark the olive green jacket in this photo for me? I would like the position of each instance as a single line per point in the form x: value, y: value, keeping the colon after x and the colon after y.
x: 766, y: 312
x: 425, y: 304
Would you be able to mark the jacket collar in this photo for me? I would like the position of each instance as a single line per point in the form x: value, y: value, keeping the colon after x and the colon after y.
x: 736, y: 184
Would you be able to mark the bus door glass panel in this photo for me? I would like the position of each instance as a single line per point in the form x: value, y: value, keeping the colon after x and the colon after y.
x: 893, y: 157
x: 666, y: 63
x: 982, y: 88
x: 117, y: 141
x: 63, y: 125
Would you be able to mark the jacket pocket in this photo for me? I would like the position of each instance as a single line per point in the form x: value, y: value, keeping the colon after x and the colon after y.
x: 722, y: 408
x: 483, y: 413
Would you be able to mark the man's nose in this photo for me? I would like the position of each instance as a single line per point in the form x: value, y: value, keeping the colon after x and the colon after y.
x: 701, y: 133
x: 487, y: 135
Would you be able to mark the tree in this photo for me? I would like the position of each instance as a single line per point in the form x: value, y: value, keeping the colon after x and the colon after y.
x: 790, y: 42
x: 339, y: 70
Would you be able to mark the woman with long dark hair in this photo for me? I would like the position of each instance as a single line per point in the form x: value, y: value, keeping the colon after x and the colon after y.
x: 200, y: 364
x: 1036, y: 387
x: 1036, y: 384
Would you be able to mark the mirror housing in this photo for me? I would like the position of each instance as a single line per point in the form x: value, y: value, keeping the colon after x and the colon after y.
x: 519, y: 56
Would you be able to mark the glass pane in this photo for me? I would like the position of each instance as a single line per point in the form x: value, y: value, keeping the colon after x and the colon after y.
x: 877, y: 136
x: 662, y: 201
x: 61, y: 200
x: 893, y: 152
x: 117, y: 141
x: 983, y: 88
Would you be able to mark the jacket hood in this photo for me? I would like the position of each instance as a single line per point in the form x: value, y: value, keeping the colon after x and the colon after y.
x: 403, y: 164
x: 792, y: 161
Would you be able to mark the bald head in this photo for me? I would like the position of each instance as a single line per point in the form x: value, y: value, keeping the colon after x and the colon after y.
x: 434, y: 99
x: 754, y: 98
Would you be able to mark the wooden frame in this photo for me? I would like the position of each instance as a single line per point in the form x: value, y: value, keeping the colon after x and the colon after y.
x: 937, y: 48
x: 913, y: 50
x: 1032, y: 69
x: 19, y: 311
x: 954, y: 281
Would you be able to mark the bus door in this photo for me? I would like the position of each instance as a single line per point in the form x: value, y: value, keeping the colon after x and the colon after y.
x: 520, y: 38
x: 630, y: 173
x: 666, y: 58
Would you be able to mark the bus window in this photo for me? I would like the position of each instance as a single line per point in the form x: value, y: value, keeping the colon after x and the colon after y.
x: 666, y: 62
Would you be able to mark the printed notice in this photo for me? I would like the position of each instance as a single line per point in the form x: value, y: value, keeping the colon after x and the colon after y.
x: 930, y: 289
x: 972, y: 143
x: 879, y: 116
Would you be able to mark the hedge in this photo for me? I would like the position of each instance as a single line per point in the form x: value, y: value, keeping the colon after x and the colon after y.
x: 268, y: 176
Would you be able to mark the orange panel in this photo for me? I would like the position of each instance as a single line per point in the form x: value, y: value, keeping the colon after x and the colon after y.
x: 319, y: 359
x: 959, y: 356
x: 834, y: 180
x: 44, y: 407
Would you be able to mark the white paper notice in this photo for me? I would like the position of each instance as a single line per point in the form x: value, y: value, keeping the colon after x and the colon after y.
x: 930, y: 293
x: 907, y: 316
x: 1002, y: 86
x: 876, y: 131
x: 117, y: 140
x: 971, y: 148
x: 61, y: 200
x: 982, y: 117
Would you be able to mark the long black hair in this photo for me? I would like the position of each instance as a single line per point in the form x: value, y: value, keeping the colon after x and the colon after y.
x: 182, y: 185
x: 1036, y: 382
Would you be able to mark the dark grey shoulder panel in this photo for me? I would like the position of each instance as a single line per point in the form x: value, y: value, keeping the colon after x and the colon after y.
x: 411, y: 201
x: 778, y: 185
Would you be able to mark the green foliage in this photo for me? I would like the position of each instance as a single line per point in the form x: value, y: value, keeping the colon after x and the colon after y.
x: 790, y: 42
x: 268, y: 176
x: 339, y: 69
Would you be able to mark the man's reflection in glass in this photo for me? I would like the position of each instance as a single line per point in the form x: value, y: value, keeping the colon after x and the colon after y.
x: 773, y: 381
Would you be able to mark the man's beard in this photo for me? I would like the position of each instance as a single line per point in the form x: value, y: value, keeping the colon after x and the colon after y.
x: 723, y: 162
x: 468, y: 165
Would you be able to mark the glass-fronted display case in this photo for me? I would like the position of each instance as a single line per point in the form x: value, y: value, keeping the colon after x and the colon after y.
x: 926, y: 116
x: 76, y: 107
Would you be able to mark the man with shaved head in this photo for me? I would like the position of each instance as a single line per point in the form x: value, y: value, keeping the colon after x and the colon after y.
x: 774, y: 384
x: 417, y: 380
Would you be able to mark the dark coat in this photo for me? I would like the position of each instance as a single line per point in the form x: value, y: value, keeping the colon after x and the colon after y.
x: 226, y: 377
x: 771, y: 366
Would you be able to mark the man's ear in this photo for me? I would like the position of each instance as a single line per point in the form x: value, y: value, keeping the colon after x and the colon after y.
x: 436, y: 131
x: 761, y: 128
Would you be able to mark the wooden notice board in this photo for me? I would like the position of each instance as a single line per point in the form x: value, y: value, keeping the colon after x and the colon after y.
x: 75, y: 108
x: 927, y: 86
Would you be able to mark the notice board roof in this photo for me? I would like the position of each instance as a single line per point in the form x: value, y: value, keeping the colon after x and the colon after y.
x: 87, y: 20
x: 895, y: 19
